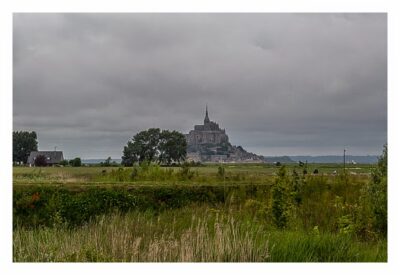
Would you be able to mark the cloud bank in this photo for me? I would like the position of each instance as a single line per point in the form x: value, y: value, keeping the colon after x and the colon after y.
x: 279, y: 83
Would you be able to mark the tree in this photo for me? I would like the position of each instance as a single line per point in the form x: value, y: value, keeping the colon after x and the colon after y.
x: 107, y: 162
x: 172, y: 147
x: 143, y: 147
x: 40, y: 160
x: 76, y: 162
x: 154, y: 145
x: 23, y: 144
x: 130, y: 154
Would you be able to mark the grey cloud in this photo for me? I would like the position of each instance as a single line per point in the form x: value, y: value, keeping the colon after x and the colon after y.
x: 310, y: 82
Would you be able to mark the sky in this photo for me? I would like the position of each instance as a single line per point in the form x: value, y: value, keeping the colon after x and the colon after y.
x: 280, y: 84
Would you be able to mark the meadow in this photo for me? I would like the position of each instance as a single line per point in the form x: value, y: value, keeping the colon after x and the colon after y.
x: 208, y: 213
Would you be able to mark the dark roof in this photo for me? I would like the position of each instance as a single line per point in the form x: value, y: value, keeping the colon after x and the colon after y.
x: 52, y: 157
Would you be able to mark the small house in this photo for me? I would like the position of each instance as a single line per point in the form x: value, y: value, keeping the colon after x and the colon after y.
x: 52, y: 157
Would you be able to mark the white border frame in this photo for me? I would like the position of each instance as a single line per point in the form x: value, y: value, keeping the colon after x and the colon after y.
x: 9, y: 7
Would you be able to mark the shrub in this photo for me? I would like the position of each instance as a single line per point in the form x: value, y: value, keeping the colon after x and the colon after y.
x: 296, y: 188
x: 185, y: 173
x: 134, y: 173
x: 346, y: 225
x: 372, y: 212
x: 221, y: 172
x: 50, y: 206
x: 40, y: 160
x: 76, y: 162
x: 64, y: 162
x: 377, y: 191
x: 280, y: 204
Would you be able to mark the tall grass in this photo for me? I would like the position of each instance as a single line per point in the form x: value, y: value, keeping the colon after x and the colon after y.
x: 298, y: 246
x: 186, y: 235
x: 140, y: 237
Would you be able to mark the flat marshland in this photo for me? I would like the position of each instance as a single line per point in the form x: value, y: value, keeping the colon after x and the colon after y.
x: 209, y: 213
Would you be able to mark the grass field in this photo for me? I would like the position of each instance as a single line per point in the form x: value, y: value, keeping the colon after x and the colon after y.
x: 236, y: 173
x: 241, y: 213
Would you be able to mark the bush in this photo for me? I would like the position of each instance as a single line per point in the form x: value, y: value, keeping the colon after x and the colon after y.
x: 221, y: 172
x: 185, y: 173
x: 372, y: 212
x: 280, y: 204
x: 76, y: 162
x: 296, y: 188
x: 49, y: 206
x: 40, y: 160
x: 64, y: 162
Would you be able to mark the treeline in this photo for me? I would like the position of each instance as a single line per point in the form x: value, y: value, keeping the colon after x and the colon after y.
x: 153, y: 145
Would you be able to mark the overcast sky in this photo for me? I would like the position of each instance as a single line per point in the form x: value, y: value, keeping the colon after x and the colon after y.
x: 280, y: 84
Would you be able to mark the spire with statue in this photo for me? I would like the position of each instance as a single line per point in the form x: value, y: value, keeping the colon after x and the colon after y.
x: 206, y: 119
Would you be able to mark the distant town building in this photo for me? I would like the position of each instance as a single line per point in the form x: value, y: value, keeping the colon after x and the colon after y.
x: 210, y: 143
x: 52, y: 157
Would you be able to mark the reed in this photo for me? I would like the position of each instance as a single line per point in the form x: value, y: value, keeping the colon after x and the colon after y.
x: 186, y: 235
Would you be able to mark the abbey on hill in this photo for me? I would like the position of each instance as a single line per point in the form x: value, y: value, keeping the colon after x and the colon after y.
x: 210, y: 143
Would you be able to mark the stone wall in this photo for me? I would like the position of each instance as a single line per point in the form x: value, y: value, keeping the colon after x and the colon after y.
x: 202, y: 137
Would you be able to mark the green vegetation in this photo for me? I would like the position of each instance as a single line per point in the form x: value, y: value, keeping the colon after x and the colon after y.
x: 154, y: 145
x: 190, y: 234
x: 231, y: 212
x: 24, y: 143
x: 280, y: 199
x: 76, y: 162
x: 108, y: 163
x: 371, y: 219
x: 151, y: 174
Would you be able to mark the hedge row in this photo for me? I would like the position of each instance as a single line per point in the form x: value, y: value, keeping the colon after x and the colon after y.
x: 49, y: 206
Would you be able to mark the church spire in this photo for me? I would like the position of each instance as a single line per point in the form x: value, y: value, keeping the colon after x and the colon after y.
x: 206, y: 119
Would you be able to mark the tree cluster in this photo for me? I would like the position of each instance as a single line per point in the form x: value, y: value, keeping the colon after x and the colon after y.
x: 154, y: 145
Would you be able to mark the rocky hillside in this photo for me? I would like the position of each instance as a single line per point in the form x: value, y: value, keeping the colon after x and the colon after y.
x: 223, y: 152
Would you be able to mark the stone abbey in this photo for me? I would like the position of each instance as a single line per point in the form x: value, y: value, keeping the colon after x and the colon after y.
x: 209, y: 132
x: 210, y: 143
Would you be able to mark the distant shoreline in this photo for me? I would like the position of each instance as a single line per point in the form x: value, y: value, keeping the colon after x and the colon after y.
x: 368, y: 159
x: 289, y: 159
